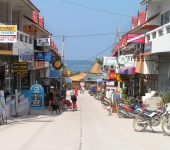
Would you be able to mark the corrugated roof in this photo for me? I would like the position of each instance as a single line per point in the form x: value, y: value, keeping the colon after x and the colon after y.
x: 96, y: 69
x: 78, y: 77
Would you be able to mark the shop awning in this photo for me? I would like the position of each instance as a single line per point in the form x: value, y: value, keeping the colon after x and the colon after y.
x: 127, y: 70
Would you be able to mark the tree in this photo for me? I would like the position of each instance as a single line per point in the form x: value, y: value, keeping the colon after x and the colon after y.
x: 100, y: 62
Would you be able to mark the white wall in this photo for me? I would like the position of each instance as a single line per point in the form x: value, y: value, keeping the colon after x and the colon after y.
x: 165, y: 6
x: 161, y: 44
x: 3, y: 8
x: 153, y: 9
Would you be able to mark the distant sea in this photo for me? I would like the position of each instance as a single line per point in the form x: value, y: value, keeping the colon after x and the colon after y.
x: 79, y: 65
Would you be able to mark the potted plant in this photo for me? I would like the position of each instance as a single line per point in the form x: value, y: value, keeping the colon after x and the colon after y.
x: 166, y: 97
x: 159, y: 103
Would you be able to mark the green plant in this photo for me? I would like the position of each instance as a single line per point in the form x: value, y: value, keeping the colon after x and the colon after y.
x: 166, y: 97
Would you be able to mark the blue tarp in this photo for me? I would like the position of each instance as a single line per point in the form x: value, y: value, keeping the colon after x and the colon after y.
x: 99, y: 80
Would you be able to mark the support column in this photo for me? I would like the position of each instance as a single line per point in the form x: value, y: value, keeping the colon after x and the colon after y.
x: 10, y: 12
x: 20, y: 28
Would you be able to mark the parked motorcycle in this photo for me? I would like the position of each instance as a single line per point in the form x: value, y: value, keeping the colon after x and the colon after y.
x: 130, y: 110
x: 68, y: 105
x: 97, y: 96
x: 153, y: 118
x: 105, y: 101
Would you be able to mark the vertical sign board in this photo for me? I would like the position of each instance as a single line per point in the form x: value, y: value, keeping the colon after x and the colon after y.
x: 36, y: 97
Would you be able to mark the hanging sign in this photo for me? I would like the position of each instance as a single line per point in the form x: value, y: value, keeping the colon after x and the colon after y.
x: 57, y: 64
x: 122, y: 59
x: 20, y: 69
x: 36, y: 97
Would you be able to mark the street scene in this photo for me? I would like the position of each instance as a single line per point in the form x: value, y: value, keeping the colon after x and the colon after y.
x: 90, y: 127
x: 84, y: 75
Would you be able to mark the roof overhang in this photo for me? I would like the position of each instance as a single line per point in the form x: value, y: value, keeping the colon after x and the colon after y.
x: 146, y: 27
x: 30, y: 5
x: 145, y: 1
x: 53, y: 50
x: 39, y: 27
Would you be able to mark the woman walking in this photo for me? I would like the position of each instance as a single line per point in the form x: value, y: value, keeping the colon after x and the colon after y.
x: 51, y: 96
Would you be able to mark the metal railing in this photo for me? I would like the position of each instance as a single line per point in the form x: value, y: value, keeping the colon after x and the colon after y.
x: 158, y: 32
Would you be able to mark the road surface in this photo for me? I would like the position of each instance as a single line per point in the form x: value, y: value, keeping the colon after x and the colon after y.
x: 89, y: 128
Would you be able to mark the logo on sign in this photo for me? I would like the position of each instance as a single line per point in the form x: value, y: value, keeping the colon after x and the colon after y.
x: 36, y: 88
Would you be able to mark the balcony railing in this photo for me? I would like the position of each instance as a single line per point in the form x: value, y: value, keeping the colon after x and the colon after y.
x: 23, y: 37
x: 158, y: 32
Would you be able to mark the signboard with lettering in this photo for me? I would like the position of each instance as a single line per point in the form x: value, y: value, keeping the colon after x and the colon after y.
x: 20, y: 69
x: 6, y: 48
x: 36, y: 97
x: 25, y: 82
x: 148, y: 47
x: 8, y: 33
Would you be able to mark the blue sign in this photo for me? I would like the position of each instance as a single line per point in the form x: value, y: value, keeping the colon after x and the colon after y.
x: 36, y: 97
x: 43, y: 56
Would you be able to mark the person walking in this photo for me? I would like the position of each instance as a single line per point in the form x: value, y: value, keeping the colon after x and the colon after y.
x: 74, y: 99
x: 51, y: 96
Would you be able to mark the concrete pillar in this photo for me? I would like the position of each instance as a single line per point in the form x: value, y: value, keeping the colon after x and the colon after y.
x: 20, y: 28
x: 10, y: 12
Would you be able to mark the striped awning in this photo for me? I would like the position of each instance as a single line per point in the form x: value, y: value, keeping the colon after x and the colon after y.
x: 127, y: 70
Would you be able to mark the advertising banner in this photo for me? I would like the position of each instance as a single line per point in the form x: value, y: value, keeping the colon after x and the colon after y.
x: 20, y: 69
x: 65, y: 73
x: 43, y: 56
x: 136, y: 38
x: 6, y: 48
x: 148, y: 47
x: 36, y: 97
x: 53, y: 73
x: 26, y: 55
x: 134, y: 22
x: 25, y: 82
x: 43, y: 41
x: 108, y: 61
x: 8, y: 33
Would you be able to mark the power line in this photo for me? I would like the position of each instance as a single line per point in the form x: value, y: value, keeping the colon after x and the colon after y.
x: 91, y: 57
x: 104, y: 11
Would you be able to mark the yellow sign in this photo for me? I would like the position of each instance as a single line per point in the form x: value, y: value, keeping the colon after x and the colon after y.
x: 65, y: 73
x: 6, y: 48
x: 57, y: 64
x: 8, y: 28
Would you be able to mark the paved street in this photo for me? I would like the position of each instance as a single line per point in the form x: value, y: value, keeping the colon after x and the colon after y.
x: 89, y: 128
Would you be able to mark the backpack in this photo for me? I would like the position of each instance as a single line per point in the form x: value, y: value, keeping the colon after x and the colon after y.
x: 73, y: 98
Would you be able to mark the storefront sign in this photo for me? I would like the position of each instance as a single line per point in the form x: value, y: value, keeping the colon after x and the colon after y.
x: 122, y: 59
x: 43, y: 41
x: 26, y: 55
x: 110, y: 83
x: 65, y: 73
x: 36, y: 97
x: 39, y: 64
x: 53, y: 73
x: 6, y: 48
x: 57, y: 64
x: 43, y: 56
x: 20, y: 69
x: 25, y: 82
x: 8, y: 33
x: 136, y: 38
x: 108, y: 61
x: 148, y: 47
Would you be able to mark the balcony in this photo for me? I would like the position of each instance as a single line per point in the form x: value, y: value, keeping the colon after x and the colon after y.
x: 24, y: 41
x: 159, y: 38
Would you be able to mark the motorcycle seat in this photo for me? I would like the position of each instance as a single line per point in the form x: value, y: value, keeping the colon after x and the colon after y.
x: 130, y: 106
x: 149, y: 111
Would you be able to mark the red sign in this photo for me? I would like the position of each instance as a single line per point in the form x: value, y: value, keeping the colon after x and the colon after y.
x: 41, y: 21
x: 136, y: 38
x: 35, y: 17
x: 142, y: 16
x: 134, y: 22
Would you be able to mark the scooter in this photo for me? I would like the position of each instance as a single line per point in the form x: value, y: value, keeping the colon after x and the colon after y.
x: 68, y: 105
x: 130, y: 110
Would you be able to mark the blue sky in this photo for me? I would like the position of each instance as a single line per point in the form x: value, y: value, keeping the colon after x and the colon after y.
x: 63, y: 18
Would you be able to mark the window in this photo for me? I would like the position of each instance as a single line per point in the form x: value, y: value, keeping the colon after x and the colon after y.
x: 154, y: 35
x: 162, y: 19
x: 167, y: 17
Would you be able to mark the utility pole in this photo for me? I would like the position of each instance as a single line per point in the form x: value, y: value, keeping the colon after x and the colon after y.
x: 62, y: 59
x: 118, y: 35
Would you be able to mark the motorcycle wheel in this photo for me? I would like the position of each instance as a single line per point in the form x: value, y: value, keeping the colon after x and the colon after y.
x: 165, y: 127
x: 137, y: 126
x: 120, y: 114
x: 65, y: 107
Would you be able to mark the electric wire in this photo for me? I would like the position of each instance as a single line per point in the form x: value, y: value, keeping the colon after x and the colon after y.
x: 104, y: 11
x: 91, y: 57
